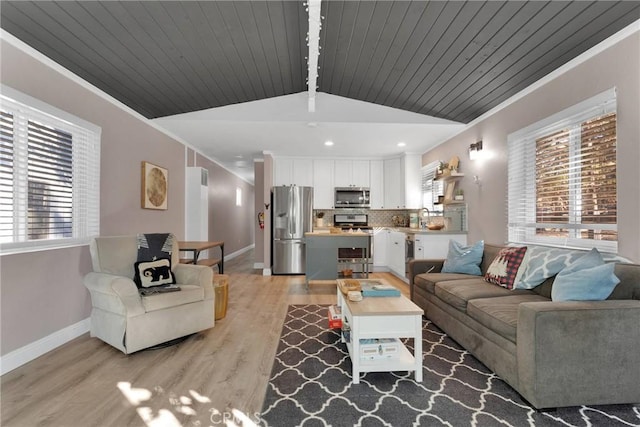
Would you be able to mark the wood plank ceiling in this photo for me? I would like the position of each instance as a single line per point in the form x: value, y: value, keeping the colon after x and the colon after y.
x: 448, y: 59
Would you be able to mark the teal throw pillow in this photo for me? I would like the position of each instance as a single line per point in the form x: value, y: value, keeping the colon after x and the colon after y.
x: 586, y: 279
x: 464, y: 259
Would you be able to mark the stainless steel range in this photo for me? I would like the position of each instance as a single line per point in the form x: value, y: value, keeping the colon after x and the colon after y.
x: 354, y: 223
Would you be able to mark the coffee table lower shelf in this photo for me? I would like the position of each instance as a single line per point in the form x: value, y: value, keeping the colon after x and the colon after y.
x: 404, y: 361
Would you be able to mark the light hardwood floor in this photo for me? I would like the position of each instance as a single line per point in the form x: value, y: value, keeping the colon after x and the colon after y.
x: 217, y: 375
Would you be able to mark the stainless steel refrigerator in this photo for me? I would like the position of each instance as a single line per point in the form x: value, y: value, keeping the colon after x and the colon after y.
x: 292, y: 213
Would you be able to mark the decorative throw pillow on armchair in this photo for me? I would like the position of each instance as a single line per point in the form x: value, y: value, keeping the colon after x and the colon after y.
x: 153, y: 271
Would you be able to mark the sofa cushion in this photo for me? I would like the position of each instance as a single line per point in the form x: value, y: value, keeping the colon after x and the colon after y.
x: 586, y: 279
x: 464, y: 259
x: 541, y: 263
x: 458, y: 293
x: 500, y: 314
x: 187, y: 294
x: 427, y: 281
x: 504, y: 268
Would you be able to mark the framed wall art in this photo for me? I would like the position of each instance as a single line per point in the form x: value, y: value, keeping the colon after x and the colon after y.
x: 155, y: 186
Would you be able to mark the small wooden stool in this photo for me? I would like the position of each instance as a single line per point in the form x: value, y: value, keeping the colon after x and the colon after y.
x: 221, y: 289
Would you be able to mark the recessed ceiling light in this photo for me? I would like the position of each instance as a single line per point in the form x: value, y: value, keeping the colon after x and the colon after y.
x: 328, y: 143
x: 401, y: 144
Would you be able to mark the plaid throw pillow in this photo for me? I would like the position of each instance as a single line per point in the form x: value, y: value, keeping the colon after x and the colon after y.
x: 504, y: 267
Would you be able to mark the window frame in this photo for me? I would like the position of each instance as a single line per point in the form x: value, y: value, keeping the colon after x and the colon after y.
x: 521, y: 192
x: 86, y: 167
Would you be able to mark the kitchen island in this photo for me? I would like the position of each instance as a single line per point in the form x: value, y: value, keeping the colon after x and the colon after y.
x: 321, y: 257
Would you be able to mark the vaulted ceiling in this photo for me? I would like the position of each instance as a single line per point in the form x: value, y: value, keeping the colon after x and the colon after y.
x: 447, y: 59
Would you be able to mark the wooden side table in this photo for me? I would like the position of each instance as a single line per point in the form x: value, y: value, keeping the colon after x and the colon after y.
x: 198, y: 246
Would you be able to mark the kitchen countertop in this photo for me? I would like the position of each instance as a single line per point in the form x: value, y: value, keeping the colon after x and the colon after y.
x: 323, y: 233
x: 325, y: 230
x: 409, y: 230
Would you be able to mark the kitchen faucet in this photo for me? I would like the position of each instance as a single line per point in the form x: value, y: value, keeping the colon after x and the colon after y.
x: 428, y: 217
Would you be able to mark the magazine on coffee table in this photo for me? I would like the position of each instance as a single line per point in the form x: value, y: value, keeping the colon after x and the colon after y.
x: 379, y: 289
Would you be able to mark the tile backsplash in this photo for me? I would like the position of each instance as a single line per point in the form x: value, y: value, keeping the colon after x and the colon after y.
x: 455, y: 218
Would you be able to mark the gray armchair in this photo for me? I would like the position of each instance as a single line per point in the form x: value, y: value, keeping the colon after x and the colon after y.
x: 130, y: 322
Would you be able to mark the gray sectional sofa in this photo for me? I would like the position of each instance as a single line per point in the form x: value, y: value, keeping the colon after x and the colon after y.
x: 555, y: 354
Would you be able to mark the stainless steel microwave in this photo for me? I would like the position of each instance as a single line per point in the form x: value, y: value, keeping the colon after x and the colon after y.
x: 352, y: 197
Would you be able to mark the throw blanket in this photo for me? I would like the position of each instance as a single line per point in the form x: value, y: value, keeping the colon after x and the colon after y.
x: 155, y: 246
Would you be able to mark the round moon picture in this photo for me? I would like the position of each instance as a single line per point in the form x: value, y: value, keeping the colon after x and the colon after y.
x: 156, y: 187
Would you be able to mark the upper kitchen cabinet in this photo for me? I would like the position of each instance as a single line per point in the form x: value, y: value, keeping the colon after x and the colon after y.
x: 412, y: 181
x: 290, y: 171
x: 402, y: 182
x: 376, y: 180
x: 393, y: 184
x: 351, y: 173
x: 323, y: 186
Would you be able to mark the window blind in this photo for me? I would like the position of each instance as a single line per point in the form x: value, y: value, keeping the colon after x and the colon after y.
x: 49, y: 183
x: 431, y: 188
x: 562, y: 178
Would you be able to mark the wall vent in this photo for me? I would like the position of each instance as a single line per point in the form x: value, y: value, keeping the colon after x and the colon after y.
x: 204, y: 177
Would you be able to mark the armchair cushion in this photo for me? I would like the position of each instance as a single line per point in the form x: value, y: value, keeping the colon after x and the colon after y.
x: 187, y: 294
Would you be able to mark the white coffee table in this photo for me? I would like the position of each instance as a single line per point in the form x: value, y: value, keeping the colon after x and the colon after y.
x: 383, y: 317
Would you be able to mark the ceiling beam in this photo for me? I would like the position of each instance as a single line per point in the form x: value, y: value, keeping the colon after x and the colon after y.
x: 313, y: 41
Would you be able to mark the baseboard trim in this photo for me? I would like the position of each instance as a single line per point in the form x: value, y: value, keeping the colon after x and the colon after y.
x: 239, y: 252
x: 266, y: 272
x: 258, y: 265
x: 29, y: 352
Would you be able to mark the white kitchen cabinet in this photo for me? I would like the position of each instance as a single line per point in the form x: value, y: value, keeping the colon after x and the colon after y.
x: 393, y: 184
x: 282, y: 171
x: 291, y: 171
x: 380, y: 243
x: 434, y: 245
x: 360, y: 173
x: 412, y: 181
x: 396, y: 253
x: 351, y: 173
x: 376, y: 179
x: 323, y: 185
x: 402, y: 182
x: 303, y: 172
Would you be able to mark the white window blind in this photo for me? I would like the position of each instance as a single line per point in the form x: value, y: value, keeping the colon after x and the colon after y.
x: 431, y: 188
x: 49, y: 177
x: 562, y: 178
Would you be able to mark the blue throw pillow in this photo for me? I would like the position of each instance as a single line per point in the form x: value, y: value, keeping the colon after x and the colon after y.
x: 586, y: 279
x: 541, y: 262
x: 464, y: 259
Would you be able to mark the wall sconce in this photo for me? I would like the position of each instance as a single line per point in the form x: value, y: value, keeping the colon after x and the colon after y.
x: 474, y: 150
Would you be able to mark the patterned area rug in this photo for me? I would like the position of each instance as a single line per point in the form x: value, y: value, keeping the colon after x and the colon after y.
x: 311, y: 385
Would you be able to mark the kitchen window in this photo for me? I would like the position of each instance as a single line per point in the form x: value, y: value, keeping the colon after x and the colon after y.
x: 49, y: 176
x: 431, y: 188
x: 562, y: 178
